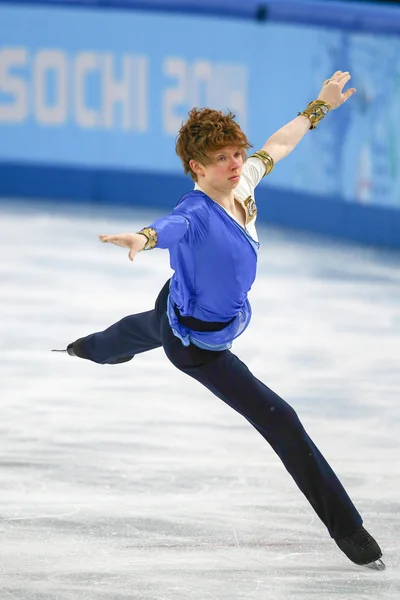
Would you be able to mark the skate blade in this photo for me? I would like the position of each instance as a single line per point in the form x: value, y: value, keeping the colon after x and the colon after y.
x: 377, y: 565
x: 63, y: 350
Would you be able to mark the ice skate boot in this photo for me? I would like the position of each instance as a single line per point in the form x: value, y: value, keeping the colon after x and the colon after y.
x: 361, y: 548
x: 75, y: 349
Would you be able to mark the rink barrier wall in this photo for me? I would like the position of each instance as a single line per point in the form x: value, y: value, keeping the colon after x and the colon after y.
x: 84, y: 164
x: 355, y: 16
x: 370, y: 225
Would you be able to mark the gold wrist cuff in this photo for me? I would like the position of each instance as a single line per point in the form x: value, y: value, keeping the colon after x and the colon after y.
x: 266, y: 159
x: 315, y: 111
x: 152, y: 238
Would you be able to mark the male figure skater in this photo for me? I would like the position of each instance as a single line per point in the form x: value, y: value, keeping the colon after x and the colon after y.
x: 213, y: 249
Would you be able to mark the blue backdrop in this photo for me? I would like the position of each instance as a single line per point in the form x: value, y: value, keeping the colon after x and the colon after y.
x: 91, y: 102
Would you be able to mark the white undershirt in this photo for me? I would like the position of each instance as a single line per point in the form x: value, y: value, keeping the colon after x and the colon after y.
x: 252, y: 172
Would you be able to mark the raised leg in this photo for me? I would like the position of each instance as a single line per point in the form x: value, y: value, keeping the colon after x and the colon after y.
x: 122, y: 341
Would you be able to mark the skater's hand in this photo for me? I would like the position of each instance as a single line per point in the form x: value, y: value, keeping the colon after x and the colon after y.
x: 134, y: 241
x: 332, y: 89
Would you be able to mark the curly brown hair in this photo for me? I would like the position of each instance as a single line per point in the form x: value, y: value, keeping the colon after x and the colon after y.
x: 208, y: 130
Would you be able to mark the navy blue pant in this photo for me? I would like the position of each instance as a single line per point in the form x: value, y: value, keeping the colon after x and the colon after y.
x: 231, y: 381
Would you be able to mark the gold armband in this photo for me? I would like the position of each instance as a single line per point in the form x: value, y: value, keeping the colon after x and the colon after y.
x: 266, y: 159
x: 315, y: 111
x: 152, y: 238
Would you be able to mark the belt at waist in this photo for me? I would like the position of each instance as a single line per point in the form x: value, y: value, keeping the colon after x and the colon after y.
x: 198, y: 325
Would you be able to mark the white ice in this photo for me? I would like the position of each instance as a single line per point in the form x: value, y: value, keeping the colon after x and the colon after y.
x: 134, y: 482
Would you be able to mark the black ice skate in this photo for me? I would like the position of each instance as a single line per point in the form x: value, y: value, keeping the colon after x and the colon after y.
x: 361, y: 548
x: 75, y: 349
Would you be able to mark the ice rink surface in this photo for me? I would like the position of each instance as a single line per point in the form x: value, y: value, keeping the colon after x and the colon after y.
x: 134, y: 482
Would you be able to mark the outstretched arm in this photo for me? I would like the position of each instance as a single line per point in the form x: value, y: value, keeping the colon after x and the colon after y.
x: 134, y: 241
x: 283, y: 141
x: 164, y: 233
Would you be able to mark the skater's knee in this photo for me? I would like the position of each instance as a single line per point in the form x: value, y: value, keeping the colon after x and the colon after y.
x: 284, y: 418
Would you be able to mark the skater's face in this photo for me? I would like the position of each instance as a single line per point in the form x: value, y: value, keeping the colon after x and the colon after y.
x: 222, y: 171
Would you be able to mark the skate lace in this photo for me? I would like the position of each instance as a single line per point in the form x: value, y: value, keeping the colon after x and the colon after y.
x: 361, y: 538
